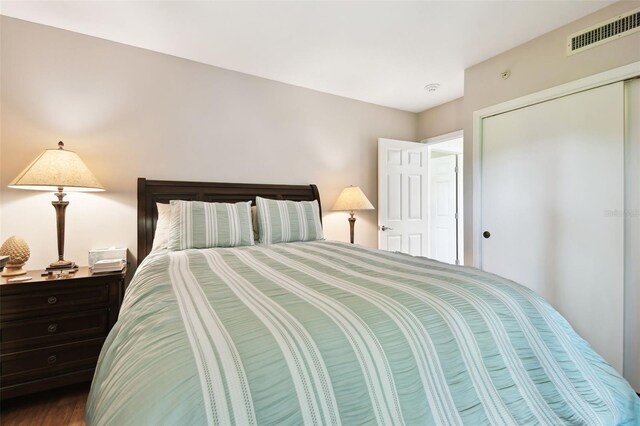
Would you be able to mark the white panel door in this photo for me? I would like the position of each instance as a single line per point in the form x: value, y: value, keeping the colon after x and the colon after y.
x: 402, y: 196
x: 552, y: 178
x: 443, y: 195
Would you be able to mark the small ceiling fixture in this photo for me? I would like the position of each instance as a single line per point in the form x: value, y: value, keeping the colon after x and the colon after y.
x: 432, y: 87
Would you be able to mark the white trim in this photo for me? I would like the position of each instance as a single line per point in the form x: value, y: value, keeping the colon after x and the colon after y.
x: 607, y: 77
x: 442, y: 138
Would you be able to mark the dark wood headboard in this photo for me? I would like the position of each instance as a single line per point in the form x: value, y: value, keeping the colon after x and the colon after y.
x: 151, y: 192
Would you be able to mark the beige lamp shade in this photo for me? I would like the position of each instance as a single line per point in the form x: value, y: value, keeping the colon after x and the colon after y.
x: 352, y: 198
x: 57, y: 168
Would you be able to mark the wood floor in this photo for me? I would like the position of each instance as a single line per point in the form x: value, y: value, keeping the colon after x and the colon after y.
x: 64, y: 406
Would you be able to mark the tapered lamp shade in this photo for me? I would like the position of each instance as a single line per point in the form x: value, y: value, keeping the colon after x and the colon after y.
x: 58, y: 170
x: 351, y: 199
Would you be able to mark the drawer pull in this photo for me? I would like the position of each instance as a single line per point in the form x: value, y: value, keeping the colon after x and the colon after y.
x: 52, y: 328
x: 52, y: 359
x: 52, y: 300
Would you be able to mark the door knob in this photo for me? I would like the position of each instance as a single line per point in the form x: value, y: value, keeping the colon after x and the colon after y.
x: 384, y: 228
x: 486, y: 234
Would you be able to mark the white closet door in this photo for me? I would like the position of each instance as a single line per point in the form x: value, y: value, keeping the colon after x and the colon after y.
x: 552, y: 193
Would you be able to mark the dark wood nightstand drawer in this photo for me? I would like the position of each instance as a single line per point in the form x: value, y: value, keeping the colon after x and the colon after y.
x: 52, y: 329
x: 54, y: 299
x: 46, y: 331
x: 37, y: 363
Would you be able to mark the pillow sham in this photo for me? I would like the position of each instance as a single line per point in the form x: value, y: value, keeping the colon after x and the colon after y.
x: 161, y: 237
x: 282, y: 221
x: 196, y: 224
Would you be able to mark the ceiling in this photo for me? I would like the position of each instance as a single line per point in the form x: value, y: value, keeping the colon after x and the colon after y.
x: 378, y: 52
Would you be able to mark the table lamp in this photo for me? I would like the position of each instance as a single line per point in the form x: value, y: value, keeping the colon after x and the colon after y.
x: 58, y: 170
x: 351, y: 199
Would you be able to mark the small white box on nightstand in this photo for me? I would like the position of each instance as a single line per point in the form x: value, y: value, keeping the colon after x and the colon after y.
x: 111, y: 253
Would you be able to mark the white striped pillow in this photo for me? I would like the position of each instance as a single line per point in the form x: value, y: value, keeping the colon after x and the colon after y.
x: 196, y: 224
x: 286, y: 221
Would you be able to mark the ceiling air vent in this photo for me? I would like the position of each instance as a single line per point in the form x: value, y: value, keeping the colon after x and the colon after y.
x: 613, y: 29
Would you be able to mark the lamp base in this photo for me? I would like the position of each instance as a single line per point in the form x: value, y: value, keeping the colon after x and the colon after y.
x: 61, y: 264
x: 352, y: 222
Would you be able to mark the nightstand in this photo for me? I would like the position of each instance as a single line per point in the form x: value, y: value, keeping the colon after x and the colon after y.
x: 52, y: 330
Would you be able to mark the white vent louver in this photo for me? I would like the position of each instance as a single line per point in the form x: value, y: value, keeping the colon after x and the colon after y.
x: 613, y: 29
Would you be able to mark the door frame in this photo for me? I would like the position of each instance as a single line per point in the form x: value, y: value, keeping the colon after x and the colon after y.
x: 429, y: 142
x: 596, y: 80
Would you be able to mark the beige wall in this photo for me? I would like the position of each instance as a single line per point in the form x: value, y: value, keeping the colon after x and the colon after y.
x: 440, y: 120
x: 537, y: 65
x: 129, y: 112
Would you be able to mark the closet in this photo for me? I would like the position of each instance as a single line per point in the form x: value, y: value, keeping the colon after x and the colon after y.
x: 559, y: 188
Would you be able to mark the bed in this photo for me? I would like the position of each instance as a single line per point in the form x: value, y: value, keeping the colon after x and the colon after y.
x: 322, y: 332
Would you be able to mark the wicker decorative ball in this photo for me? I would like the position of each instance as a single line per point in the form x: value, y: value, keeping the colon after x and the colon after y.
x: 18, y: 251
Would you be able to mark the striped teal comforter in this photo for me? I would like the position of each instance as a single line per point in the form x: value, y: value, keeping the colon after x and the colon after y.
x: 331, y: 333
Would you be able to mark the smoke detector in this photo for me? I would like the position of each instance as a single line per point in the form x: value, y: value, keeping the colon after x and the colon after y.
x: 432, y: 87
